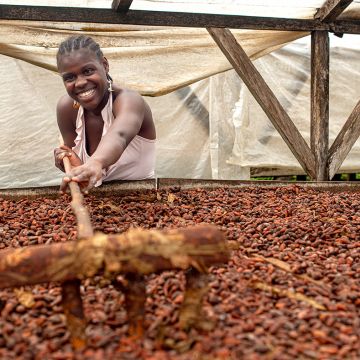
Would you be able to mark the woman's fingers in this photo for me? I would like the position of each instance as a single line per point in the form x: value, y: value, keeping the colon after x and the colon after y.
x: 79, y: 174
x: 91, y: 184
x: 86, y: 175
x: 62, y: 152
x: 65, y: 183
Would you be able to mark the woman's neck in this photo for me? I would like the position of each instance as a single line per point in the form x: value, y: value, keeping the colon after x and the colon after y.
x: 101, y: 105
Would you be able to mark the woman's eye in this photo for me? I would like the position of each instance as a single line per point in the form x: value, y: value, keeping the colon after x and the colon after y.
x: 88, y: 71
x: 69, y: 78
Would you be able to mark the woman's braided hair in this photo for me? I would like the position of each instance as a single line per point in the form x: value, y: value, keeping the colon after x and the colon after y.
x: 78, y: 42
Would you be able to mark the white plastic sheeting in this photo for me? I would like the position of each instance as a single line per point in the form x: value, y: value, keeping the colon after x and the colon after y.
x: 287, y: 72
x: 29, y: 131
x: 211, y: 129
x: 152, y: 61
x: 138, y: 55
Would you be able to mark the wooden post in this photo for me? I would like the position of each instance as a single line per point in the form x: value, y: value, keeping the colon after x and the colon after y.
x: 134, y: 290
x: 319, y: 132
x: 191, y: 314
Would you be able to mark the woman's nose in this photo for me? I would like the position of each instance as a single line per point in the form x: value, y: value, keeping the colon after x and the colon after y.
x: 80, y: 81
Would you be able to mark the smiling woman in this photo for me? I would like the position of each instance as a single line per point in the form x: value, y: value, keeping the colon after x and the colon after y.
x: 108, y: 131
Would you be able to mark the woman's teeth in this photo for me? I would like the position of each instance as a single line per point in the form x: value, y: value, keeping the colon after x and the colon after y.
x: 86, y: 94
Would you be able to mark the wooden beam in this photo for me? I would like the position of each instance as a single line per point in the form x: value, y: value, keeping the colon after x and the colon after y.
x: 161, y: 18
x: 344, y: 141
x: 265, y: 97
x: 319, y: 132
x: 137, y: 251
x: 331, y: 9
x: 121, y: 5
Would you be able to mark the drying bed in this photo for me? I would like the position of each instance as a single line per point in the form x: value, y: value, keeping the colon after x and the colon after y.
x: 290, y: 289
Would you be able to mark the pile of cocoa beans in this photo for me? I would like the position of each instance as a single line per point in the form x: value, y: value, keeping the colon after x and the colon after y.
x: 291, y: 289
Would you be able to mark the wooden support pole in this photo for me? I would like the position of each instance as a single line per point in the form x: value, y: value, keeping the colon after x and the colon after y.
x: 331, y: 9
x: 136, y: 251
x: 84, y: 227
x: 135, y: 299
x: 265, y: 97
x: 343, y: 143
x: 70, y: 289
x: 191, y: 314
x: 319, y: 132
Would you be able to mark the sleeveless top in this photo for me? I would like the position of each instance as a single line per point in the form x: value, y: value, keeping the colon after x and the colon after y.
x: 137, y: 162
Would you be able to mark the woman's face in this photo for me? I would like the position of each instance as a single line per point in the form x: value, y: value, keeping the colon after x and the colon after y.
x: 84, y: 77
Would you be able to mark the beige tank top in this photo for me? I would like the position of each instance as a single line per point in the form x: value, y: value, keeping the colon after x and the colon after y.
x: 137, y: 162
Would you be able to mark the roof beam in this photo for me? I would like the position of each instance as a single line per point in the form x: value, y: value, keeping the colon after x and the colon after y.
x: 161, y: 18
x: 121, y: 5
x: 331, y: 9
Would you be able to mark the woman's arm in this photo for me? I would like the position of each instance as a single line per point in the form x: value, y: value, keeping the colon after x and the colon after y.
x: 66, y: 119
x: 128, y: 109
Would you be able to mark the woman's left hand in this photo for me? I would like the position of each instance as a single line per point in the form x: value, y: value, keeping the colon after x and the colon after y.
x: 61, y: 152
x: 87, y: 175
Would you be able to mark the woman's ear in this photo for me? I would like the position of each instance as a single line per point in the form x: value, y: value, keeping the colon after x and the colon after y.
x: 106, y: 64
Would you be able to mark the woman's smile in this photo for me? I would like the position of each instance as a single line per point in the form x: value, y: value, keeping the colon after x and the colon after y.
x: 86, y: 95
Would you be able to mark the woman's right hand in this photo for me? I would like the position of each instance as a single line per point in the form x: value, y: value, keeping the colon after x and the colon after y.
x: 61, y: 152
x: 86, y: 175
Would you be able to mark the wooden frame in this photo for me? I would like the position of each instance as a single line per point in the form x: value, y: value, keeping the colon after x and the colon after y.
x: 319, y: 123
x: 331, y: 9
x: 121, y: 5
x: 265, y: 97
x: 165, y: 18
x: 318, y: 161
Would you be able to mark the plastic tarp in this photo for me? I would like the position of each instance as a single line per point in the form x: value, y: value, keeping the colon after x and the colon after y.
x: 212, y: 128
x: 287, y: 72
x: 151, y: 61
x: 155, y: 60
x: 194, y: 141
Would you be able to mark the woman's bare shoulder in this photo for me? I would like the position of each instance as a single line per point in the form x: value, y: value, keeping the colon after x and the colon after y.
x: 65, y: 102
x: 122, y: 92
x: 65, y: 109
x: 127, y: 97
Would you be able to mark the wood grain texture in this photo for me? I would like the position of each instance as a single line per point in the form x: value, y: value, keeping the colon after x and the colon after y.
x: 319, y: 129
x: 162, y: 18
x: 345, y: 140
x: 265, y: 97
x: 70, y: 290
x: 121, y: 5
x: 135, y: 252
x: 331, y: 9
